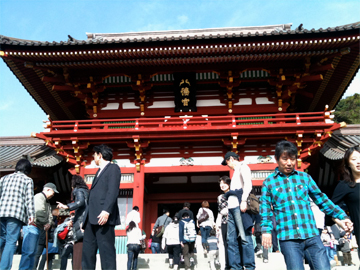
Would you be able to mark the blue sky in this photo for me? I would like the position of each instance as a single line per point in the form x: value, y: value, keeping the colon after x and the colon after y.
x: 53, y: 20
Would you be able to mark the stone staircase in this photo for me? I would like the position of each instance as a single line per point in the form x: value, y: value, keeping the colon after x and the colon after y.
x: 160, y: 262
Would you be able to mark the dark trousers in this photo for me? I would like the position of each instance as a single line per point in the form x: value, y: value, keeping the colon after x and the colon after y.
x: 347, y: 258
x: 188, y: 252
x: 40, y: 248
x: 102, y: 238
x: 42, y: 262
x: 174, y: 253
x: 224, y: 237
x: 77, y: 255
x: 66, y: 252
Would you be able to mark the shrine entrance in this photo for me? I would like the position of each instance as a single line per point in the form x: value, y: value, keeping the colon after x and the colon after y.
x: 171, y: 190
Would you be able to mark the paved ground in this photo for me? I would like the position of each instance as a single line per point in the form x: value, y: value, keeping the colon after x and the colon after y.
x: 157, y: 262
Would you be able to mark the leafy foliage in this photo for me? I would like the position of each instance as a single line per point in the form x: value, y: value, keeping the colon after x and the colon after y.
x: 348, y: 110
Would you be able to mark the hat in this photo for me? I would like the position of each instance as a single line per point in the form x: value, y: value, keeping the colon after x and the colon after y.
x: 228, y: 155
x: 52, y: 186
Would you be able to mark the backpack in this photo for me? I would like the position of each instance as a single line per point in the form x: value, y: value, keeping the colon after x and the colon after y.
x: 253, y: 206
x: 189, y: 231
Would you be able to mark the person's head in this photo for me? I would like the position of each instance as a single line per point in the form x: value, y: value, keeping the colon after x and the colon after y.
x: 49, y: 190
x: 131, y: 226
x: 24, y: 166
x: 285, y: 156
x: 136, y: 208
x: 224, y: 182
x: 102, y: 152
x: 187, y: 205
x: 324, y: 231
x: 78, y: 182
x: 213, y: 232
x: 175, y: 219
x: 185, y: 215
x: 230, y: 160
x: 351, y: 165
x: 166, y: 211
x: 205, y: 204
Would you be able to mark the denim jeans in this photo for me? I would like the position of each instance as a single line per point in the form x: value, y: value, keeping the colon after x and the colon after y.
x: 133, y: 253
x: 155, y: 248
x: 29, y: 247
x: 295, y: 250
x: 205, y: 233
x: 9, y: 234
x: 243, y: 254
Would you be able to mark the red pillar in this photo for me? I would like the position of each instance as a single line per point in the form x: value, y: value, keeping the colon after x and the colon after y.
x: 138, y: 192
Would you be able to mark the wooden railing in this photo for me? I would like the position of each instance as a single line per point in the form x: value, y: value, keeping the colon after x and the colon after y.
x: 196, y: 122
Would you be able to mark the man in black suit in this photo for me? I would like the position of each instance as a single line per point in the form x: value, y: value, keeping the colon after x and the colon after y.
x: 102, y: 214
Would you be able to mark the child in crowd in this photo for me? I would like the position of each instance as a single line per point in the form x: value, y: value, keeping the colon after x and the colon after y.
x: 328, y: 244
x: 345, y: 248
x: 213, y: 249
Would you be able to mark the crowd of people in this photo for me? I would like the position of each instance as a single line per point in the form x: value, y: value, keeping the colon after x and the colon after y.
x: 295, y: 218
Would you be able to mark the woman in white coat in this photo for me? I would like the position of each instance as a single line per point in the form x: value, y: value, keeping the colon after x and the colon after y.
x: 205, y: 225
x: 172, y: 241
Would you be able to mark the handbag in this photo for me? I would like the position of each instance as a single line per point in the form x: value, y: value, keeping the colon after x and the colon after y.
x: 143, y: 244
x: 159, y: 231
x: 204, y: 216
x: 253, y: 206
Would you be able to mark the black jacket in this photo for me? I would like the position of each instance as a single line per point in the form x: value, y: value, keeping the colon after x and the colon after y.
x: 81, y: 197
x: 103, y: 196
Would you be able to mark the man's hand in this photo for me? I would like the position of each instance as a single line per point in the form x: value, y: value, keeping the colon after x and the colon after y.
x: 243, y: 206
x: 47, y: 227
x: 62, y: 206
x: 346, y: 224
x: 103, y: 217
x: 31, y: 221
x: 181, y: 243
x: 266, y: 240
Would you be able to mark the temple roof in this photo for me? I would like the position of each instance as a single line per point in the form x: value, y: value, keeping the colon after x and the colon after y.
x: 340, y: 141
x: 174, y: 35
x: 40, y: 65
x: 12, y: 149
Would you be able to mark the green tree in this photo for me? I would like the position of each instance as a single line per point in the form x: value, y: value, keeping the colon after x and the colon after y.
x: 348, y: 110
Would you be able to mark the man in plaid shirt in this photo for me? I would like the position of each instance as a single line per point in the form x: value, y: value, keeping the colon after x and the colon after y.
x: 288, y: 191
x: 16, y: 209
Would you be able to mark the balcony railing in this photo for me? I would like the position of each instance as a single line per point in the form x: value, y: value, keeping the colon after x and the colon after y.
x: 193, y: 123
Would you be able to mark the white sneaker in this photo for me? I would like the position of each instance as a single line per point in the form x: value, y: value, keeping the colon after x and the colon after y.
x: 265, y: 260
x: 259, y: 252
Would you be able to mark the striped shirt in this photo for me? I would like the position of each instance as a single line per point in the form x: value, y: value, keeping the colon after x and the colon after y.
x: 289, y: 196
x: 17, y: 197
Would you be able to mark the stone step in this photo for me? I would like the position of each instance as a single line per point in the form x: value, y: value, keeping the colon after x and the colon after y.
x: 160, y: 262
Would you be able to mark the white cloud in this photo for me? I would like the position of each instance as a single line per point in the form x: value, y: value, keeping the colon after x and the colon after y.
x: 5, y: 106
x: 183, y: 19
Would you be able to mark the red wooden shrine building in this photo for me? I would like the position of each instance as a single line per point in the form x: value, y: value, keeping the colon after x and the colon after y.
x: 172, y: 103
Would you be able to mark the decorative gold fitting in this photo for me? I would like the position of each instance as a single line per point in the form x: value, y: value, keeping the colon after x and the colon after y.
x: 77, y: 168
x: 299, y: 163
x: 299, y: 143
x: 138, y: 167
x: 343, y: 124
x: 76, y: 149
x: 2, y: 53
x: 95, y: 109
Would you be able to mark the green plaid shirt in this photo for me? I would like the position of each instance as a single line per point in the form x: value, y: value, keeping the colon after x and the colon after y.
x: 289, y: 196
